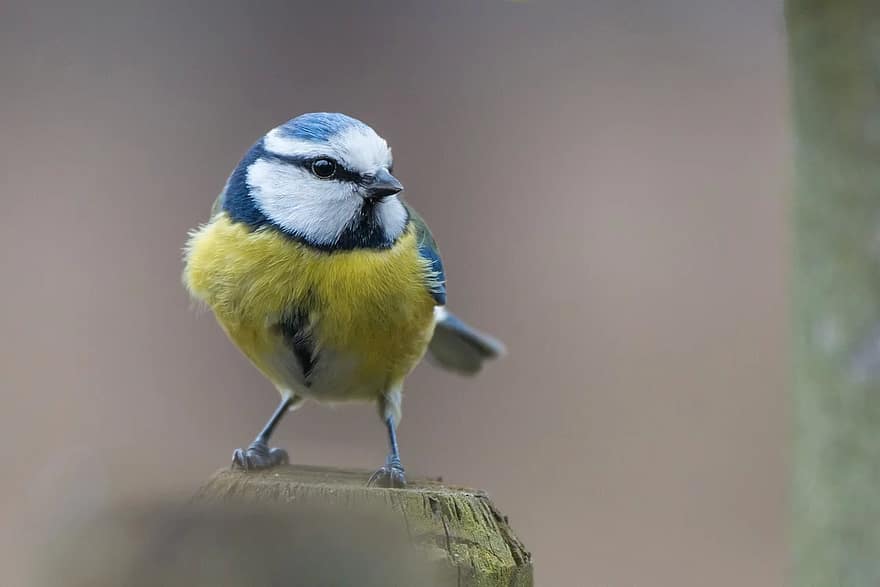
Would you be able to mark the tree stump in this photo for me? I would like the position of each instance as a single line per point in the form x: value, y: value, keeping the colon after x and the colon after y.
x: 457, y: 529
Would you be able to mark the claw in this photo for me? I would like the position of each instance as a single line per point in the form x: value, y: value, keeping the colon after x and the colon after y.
x: 390, y: 475
x: 239, y: 459
x: 258, y: 456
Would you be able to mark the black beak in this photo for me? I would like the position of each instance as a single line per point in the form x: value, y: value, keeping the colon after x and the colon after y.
x: 381, y: 185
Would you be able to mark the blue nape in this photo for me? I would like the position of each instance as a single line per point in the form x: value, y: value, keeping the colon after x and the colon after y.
x: 237, y: 201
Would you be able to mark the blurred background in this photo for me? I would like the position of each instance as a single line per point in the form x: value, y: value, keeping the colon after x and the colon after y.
x: 606, y: 180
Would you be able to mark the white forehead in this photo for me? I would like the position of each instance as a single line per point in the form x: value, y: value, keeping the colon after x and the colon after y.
x: 358, y: 147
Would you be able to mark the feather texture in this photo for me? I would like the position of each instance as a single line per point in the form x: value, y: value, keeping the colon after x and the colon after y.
x: 368, y: 313
x: 428, y: 250
x: 459, y: 347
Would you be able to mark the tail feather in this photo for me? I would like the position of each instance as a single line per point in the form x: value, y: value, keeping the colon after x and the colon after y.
x: 459, y: 347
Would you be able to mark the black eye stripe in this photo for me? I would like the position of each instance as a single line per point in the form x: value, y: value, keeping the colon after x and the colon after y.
x: 343, y: 174
x: 305, y: 162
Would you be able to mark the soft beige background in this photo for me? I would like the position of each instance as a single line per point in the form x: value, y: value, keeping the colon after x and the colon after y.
x: 606, y: 180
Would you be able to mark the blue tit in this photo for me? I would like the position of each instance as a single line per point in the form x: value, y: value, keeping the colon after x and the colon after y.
x: 325, y: 278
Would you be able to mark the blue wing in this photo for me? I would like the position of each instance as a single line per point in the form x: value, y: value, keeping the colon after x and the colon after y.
x: 455, y: 345
x: 428, y: 250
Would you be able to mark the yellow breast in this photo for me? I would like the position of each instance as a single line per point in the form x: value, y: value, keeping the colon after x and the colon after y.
x: 371, y: 305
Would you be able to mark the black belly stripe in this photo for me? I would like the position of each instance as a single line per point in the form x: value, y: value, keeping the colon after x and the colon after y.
x: 295, y: 330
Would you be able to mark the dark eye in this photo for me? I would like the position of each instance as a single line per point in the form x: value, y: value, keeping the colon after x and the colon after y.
x: 324, y: 168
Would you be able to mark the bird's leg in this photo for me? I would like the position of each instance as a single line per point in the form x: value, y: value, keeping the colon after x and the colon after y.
x: 258, y: 455
x: 390, y: 475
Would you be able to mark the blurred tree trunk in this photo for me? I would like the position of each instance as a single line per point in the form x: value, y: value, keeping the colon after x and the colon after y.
x: 834, y: 55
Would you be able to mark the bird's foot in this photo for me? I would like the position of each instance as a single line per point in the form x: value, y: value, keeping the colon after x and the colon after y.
x: 391, y: 475
x: 258, y: 456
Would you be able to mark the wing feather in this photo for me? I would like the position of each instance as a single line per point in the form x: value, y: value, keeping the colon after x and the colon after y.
x: 428, y: 250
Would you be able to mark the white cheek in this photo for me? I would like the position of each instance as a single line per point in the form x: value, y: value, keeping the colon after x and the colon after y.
x: 392, y: 217
x: 300, y: 203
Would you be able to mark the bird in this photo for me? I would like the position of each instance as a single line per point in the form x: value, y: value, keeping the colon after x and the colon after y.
x: 326, y: 279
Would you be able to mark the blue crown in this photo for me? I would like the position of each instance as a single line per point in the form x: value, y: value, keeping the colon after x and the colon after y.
x: 318, y: 126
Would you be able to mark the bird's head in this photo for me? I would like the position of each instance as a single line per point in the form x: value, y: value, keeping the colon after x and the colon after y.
x: 323, y: 179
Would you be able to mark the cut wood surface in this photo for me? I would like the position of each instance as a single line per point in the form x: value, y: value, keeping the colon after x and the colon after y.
x: 457, y: 527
